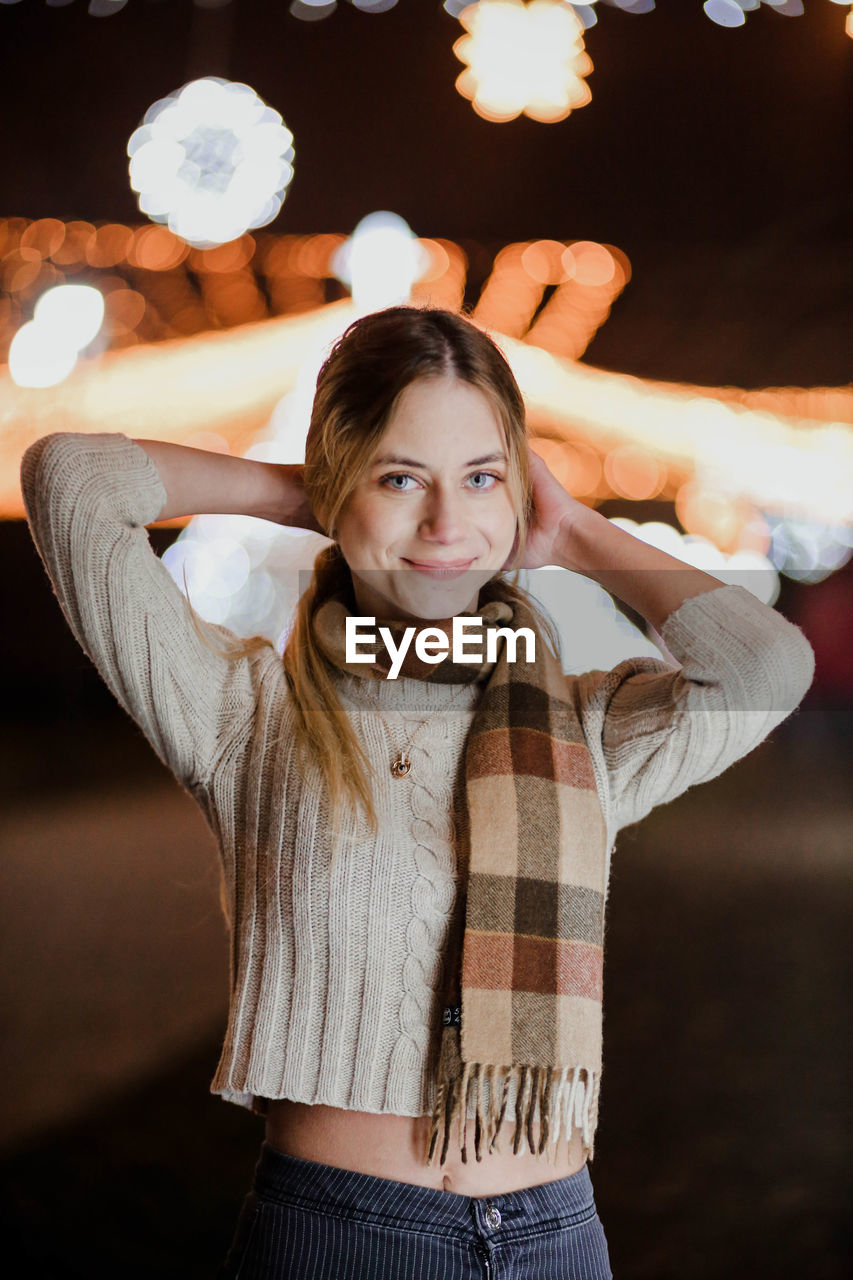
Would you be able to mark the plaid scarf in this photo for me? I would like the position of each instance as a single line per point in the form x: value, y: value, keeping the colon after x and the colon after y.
x: 532, y: 951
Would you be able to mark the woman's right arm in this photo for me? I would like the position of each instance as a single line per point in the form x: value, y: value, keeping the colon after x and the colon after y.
x: 199, y: 482
x: 88, y: 498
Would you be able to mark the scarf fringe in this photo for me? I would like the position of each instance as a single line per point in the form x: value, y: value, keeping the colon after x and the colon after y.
x: 563, y: 1099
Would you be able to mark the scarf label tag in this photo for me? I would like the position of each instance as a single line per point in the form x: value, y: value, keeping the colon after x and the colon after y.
x: 452, y: 1016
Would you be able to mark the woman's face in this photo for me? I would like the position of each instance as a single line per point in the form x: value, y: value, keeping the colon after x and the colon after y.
x: 432, y: 519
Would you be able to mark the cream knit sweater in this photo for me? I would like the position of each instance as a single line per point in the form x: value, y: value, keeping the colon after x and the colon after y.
x: 337, y: 983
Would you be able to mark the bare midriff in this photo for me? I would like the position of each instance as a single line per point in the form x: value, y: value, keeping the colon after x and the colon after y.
x: 396, y: 1147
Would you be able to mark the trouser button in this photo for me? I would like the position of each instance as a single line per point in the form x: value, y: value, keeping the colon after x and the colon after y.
x: 493, y: 1217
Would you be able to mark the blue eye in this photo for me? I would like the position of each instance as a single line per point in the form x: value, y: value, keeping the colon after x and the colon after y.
x: 399, y: 476
x: 490, y: 475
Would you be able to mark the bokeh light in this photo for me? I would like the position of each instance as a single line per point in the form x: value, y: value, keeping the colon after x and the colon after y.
x: 156, y: 249
x: 577, y: 466
x: 108, y: 245
x: 442, y: 283
x: 36, y: 359
x: 808, y: 550
x: 72, y: 313
x: 523, y: 59
x: 105, y: 8
x: 45, y: 235
x: 634, y: 473
x: 312, y: 10
x: 587, y: 14
x: 211, y: 161
x: 44, y: 350
x: 726, y: 13
x: 381, y: 261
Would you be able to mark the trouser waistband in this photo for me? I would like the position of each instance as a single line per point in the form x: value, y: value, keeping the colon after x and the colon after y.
x: 291, y: 1180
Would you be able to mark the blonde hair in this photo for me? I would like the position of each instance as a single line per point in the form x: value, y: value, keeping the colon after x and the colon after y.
x: 358, y: 387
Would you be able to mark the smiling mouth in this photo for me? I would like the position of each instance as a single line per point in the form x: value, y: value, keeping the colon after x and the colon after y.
x: 439, y: 569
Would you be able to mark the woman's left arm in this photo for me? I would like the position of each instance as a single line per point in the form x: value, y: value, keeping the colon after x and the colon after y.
x: 744, y: 667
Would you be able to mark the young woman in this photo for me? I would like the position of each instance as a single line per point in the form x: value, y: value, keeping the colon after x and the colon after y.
x: 414, y: 869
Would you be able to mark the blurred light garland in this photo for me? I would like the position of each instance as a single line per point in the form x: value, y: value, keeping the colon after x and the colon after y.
x: 212, y: 161
x: 767, y: 472
x: 523, y: 58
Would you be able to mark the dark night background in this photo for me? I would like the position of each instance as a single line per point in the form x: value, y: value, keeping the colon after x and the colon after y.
x: 719, y: 161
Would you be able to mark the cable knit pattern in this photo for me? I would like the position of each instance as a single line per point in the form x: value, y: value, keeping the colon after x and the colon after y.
x: 432, y: 894
x: 336, y: 982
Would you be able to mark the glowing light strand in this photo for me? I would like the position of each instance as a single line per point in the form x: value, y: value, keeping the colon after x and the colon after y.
x: 523, y: 59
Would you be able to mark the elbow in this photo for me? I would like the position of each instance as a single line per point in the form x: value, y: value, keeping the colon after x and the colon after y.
x: 33, y: 455
x: 39, y: 461
x: 806, y: 663
x: 791, y: 667
x: 35, y: 465
x: 778, y: 661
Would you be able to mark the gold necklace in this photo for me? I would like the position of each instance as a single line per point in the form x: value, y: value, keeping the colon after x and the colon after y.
x: 401, y: 767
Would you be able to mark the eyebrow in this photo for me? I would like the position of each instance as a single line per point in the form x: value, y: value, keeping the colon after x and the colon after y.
x: 395, y: 460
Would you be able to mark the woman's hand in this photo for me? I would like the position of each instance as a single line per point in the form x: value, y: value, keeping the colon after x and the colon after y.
x: 298, y: 511
x: 554, y: 514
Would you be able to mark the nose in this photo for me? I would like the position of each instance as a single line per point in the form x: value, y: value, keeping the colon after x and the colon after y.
x: 443, y: 518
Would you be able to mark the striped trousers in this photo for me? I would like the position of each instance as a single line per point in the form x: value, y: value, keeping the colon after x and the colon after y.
x: 309, y: 1221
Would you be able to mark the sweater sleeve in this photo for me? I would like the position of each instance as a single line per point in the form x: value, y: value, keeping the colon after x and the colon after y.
x: 661, y: 729
x: 88, y: 498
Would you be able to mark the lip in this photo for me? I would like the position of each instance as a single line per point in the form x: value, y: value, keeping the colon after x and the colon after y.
x: 439, y: 569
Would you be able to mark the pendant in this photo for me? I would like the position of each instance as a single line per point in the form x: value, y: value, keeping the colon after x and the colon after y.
x: 401, y: 766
